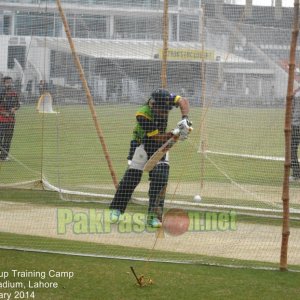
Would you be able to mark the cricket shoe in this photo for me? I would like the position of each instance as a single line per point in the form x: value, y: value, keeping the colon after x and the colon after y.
x: 155, y: 223
x: 114, y: 215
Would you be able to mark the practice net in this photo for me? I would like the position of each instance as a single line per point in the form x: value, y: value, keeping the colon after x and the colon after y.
x: 232, y: 66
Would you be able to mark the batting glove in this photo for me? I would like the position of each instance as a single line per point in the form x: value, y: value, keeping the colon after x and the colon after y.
x: 182, y: 135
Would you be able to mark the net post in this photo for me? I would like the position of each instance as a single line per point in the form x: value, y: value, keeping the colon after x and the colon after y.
x: 203, y: 140
x: 287, y: 133
x: 165, y: 45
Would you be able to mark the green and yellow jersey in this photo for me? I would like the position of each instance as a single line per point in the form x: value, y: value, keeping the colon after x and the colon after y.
x: 148, y: 125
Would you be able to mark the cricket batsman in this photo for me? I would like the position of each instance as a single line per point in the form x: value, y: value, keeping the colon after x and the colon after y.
x: 148, y: 136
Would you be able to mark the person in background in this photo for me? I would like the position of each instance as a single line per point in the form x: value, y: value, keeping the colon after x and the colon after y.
x: 43, y: 87
x: 295, y: 137
x: 9, y: 104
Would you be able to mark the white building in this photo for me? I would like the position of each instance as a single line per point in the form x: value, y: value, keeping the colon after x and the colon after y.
x: 28, y: 24
x: 120, y: 45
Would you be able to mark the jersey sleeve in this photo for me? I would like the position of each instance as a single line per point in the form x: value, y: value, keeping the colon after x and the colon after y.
x: 175, y: 99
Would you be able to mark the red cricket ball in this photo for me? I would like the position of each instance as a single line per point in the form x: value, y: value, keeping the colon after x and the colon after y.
x: 176, y: 222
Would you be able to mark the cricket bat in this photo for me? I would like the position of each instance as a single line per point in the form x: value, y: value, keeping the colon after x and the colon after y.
x: 157, y: 156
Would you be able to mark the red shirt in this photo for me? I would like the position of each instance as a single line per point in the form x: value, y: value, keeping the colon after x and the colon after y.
x: 8, y: 101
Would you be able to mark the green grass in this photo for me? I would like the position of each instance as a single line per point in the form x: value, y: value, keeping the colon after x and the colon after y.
x: 96, y: 278
x: 65, y: 149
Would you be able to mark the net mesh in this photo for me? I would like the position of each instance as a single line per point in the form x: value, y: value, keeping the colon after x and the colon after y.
x: 232, y: 67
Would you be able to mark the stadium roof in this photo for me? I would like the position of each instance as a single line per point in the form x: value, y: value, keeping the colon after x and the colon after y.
x: 132, y: 49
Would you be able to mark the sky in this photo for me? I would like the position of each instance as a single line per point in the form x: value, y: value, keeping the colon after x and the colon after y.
x: 267, y: 2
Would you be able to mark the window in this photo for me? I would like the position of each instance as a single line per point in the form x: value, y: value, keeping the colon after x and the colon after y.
x: 1, y: 23
x: 7, y: 25
x: 174, y: 28
x: 90, y: 27
x: 189, y: 29
x: 138, y: 28
x: 18, y: 53
x: 36, y: 24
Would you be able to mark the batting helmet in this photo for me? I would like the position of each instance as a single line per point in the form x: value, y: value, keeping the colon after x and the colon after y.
x: 162, y: 99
